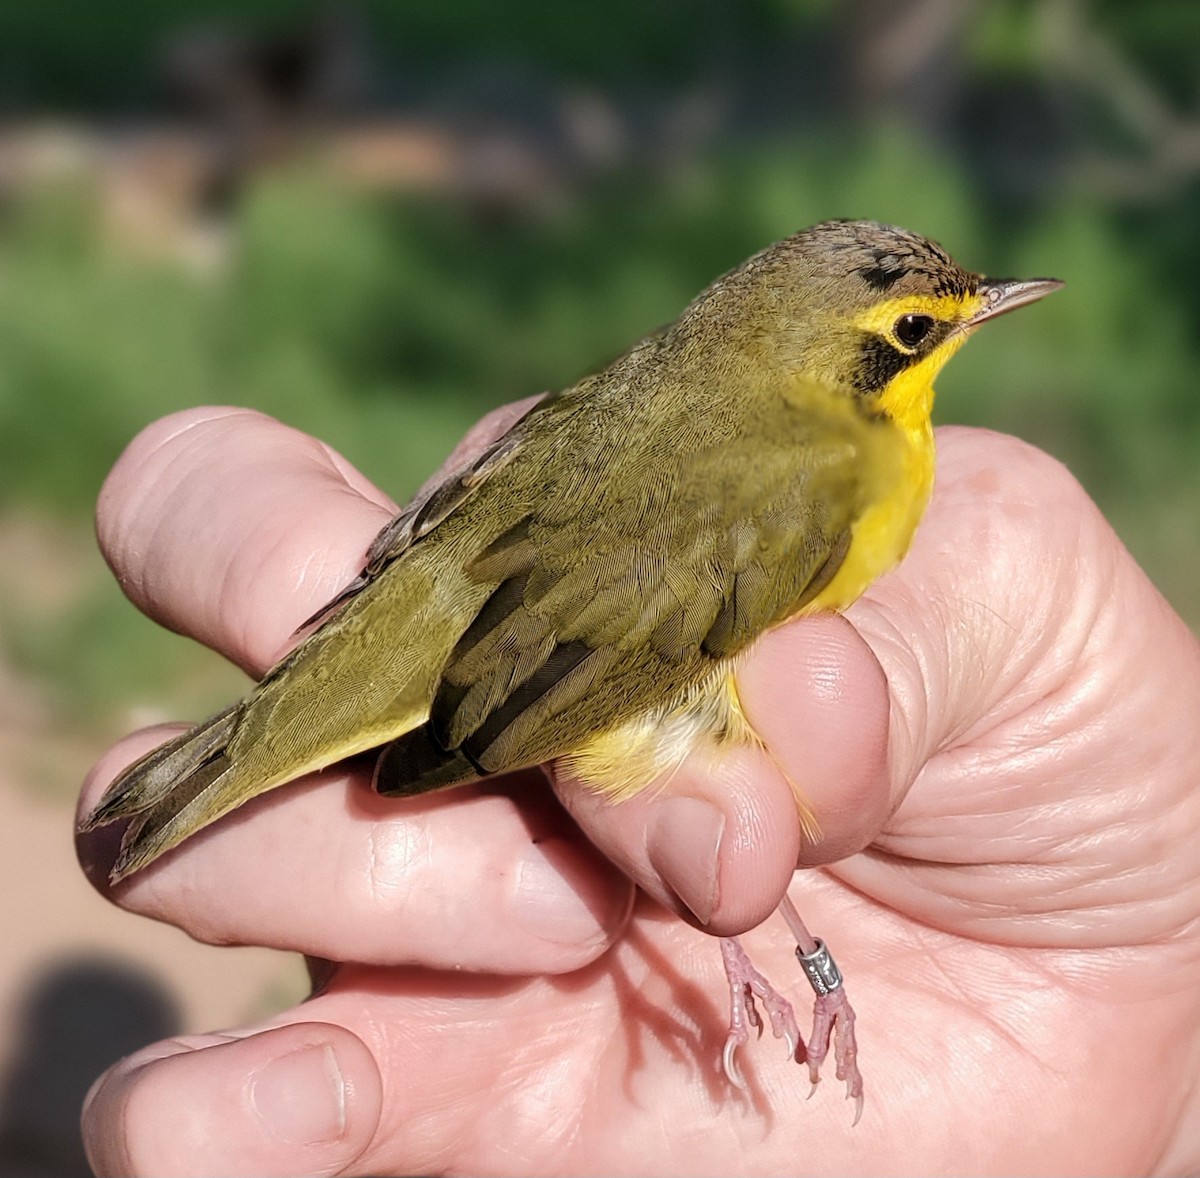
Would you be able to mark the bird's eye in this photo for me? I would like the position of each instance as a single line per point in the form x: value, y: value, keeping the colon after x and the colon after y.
x: 912, y: 329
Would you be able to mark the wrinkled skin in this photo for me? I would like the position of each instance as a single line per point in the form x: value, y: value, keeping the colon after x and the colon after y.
x: 1006, y: 724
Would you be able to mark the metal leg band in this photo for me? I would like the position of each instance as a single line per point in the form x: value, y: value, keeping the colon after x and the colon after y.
x: 820, y: 969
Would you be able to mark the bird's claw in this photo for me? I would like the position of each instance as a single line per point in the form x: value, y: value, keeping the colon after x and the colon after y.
x: 729, y: 1063
x: 745, y: 985
x: 833, y: 1021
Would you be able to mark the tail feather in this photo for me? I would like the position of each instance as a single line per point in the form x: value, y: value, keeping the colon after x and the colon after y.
x: 152, y: 778
x: 169, y: 821
x: 159, y: 791
x: 361, y: 680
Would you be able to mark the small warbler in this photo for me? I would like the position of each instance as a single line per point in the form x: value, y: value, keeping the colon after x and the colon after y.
x: 585, y: 588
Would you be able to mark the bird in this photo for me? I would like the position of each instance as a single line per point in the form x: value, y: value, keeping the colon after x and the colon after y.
x: 585, y: 590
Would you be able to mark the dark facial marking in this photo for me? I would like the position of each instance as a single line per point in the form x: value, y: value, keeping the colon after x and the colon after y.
x: 879, y: 277
x: 879, y: 364
x: 881, y: 361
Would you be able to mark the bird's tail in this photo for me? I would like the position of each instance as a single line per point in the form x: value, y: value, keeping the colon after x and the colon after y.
x: 364, y: 678
x: 167, y: 791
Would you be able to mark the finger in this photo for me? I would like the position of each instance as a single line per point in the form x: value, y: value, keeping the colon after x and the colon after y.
x: 613, y: 1071
x: 716, y: 843
x: 720, y: 838
x: 232, y: 528
x: 469, y: 1066
x: 494, y: 878
x: 298, y: 1099
x: 816, y: 695
x: 1010, y: 576
x: 607, y: 1072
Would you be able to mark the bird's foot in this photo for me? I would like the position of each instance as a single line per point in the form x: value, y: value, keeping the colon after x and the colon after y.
x: 833, y: 1017
x: 745, y: 985
x: 833, y: 1022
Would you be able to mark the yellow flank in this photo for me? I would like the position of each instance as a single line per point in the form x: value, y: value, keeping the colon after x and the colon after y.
x: 622, y: 761
x: 648, y: 750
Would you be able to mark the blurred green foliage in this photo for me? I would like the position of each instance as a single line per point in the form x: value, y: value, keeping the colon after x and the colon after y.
x: 75, y: 53
x: 387, y: 325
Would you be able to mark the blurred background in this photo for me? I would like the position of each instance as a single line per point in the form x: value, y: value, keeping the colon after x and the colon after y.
x: 378, y: 220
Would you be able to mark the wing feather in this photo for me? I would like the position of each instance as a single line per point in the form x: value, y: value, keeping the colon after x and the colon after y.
x: 648, y: 588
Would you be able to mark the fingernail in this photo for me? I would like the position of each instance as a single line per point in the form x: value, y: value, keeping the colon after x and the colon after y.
x: 301, y: 1097
x: 682, y: 847
x: 544, y: 900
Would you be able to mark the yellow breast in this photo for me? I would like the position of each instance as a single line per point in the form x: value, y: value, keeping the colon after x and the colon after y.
x: 884, y: 531
x: 620, y: 762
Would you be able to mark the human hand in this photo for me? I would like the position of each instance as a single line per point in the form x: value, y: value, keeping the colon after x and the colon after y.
x: 1006, y: 724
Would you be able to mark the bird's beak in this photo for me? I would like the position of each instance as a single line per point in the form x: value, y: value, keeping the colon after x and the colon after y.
x: 1006, y: 294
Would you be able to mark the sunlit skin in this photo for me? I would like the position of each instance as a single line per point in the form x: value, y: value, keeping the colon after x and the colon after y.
x: 1026, y: 916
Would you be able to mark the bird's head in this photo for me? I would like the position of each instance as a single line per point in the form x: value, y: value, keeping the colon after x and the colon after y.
x: 867, y: 307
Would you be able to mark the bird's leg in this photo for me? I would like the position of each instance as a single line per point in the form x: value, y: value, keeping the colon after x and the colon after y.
x: 746, y: 984
x: 833, y: 1018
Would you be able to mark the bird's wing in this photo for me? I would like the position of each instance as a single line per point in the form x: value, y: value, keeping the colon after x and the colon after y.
x: 617, y: 586
x: 425, y: 512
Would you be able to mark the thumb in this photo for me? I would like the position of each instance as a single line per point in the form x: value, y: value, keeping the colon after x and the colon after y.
x: 718, y: 841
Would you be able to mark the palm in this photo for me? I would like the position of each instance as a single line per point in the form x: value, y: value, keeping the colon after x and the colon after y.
x: 961, y: 1035
x: 633, y: 1041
